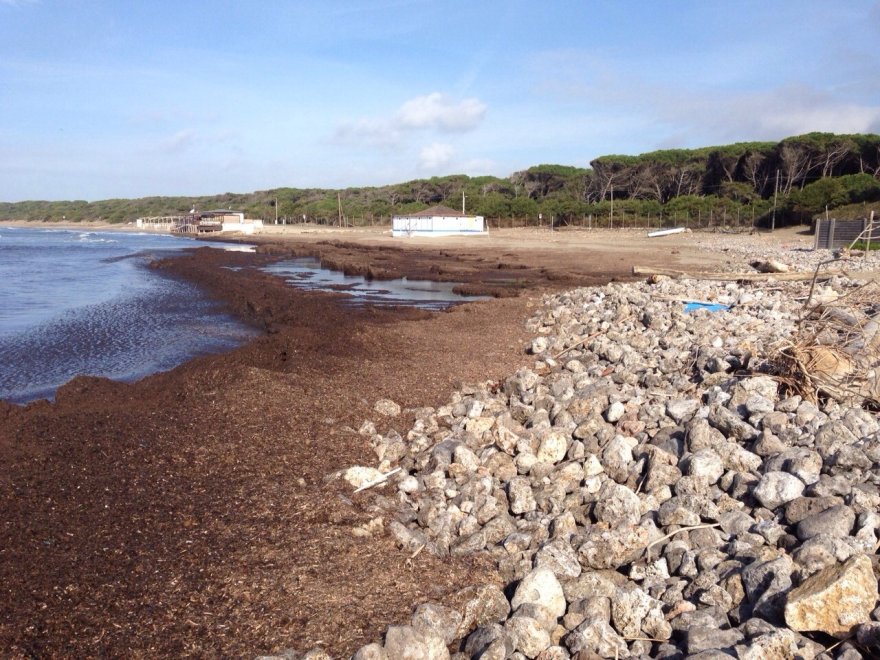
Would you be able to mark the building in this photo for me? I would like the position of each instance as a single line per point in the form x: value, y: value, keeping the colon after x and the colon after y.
x: 438, y: 221
x: 202, y: 222
x: 232, y: 221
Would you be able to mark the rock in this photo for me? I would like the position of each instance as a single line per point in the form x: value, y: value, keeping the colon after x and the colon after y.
x: 617, y: 505
x: 408, y: 643
x: 834, y: 521
x: 731, y: 424
x: 614, y: 412
x: 359, y: 475
x: 528, y: 636
x: 681, y: 410
x: 770, y: 266
x: 443, y: 621
x: 553, y: 447
x: 370, y: 652
x: 574, y: 467
x: 483, y: 605
x: 705, y: 464
x: 387, y: 408
x: 779, y: 644
x: 490, y: 642
x: 804, y: 507
x: 702, y: 638
x: 834, y: 600
x: 776, y: 488
x: 766, y: 583
x: 554, y: 653
x: 614, y: 547
x: 636, y: 614
x: 542, y: 588
x: 596, y: 637
x: 538, y: 345
x: 559, y: 557
x: 522, y: 499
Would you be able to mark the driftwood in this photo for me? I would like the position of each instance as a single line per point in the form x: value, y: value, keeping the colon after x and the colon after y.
x: 734, y: 277
x: 836, y: 350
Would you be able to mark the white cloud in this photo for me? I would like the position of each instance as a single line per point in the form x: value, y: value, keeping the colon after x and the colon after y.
x: 433, y: 112
x: 439, y: 112
x: 435, y: 156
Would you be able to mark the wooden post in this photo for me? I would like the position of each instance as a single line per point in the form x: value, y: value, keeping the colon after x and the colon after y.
x: 775, y: 192
x: 870, y: 232
x: 611, y: 217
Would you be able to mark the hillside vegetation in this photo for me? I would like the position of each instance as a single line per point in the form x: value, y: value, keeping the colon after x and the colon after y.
x: 728, y: 185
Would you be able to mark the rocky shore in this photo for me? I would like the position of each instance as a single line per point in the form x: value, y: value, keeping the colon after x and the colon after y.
x: 650, y: 486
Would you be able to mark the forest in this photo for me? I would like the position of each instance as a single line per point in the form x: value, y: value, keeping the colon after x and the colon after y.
x: 738, y: 185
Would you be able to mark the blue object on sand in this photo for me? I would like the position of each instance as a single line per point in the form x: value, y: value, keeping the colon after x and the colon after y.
x: 709, y: 307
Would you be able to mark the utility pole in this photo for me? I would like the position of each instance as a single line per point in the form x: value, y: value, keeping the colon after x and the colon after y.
x: 339, y: 206
x: 775, y: 192
x: 462, y: 202
x: 276, y: 210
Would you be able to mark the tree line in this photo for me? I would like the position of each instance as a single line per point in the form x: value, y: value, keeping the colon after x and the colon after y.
x: 746, y: 183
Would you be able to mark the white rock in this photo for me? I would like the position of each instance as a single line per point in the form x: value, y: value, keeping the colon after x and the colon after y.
x: 542, y: 588
x: 553, y: 448
x: 776, y: 488
x: 387, y: 407
x: 359, y: 475
x: 614, y: 412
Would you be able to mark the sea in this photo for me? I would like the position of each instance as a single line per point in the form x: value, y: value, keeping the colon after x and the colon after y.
x: 78, y: 302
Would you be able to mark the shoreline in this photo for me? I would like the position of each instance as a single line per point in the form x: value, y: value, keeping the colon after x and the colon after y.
x: 188, y: 513
x: 197, y: 496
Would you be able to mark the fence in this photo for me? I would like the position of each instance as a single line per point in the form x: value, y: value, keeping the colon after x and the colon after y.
x: 832, y: 233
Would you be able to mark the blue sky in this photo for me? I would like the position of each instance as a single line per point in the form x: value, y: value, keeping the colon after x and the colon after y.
x: 116, y: 98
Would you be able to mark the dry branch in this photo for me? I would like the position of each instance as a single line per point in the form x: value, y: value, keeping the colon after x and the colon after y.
x: 734, y: 277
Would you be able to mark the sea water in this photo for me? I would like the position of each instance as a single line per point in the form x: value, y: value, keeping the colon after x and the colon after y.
x: 307, y: 273
x: 84, y: 302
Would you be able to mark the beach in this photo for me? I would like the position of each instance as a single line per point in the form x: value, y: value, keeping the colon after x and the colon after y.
x: 191, y: 513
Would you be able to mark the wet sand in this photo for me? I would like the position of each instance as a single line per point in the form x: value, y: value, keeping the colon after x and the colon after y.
x: 188, y: 513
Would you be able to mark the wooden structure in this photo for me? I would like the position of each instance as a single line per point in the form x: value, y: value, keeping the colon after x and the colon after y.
x: 203, y: 222
x: 832, y: 233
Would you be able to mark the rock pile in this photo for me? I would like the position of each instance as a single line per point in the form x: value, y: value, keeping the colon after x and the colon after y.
x: 798, y: 256
x: 645, y: 489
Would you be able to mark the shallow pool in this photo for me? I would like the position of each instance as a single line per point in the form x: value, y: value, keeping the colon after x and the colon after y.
x: 307, y: 273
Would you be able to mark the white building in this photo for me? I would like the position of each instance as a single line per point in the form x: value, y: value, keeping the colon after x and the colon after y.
x: 234, y: 221
x: 438, y: 221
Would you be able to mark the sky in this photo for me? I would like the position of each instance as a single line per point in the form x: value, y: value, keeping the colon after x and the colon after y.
x: 104, y: 99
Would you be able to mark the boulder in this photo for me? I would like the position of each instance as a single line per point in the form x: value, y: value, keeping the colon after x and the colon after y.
x: 835, y: 600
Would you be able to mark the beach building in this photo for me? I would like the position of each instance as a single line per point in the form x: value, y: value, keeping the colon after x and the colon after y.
x: 437, y: 221
x: 232, y: 221
x: 194, y: 222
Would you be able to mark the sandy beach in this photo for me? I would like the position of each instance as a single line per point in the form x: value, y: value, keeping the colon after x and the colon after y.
x: 190, y: 514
